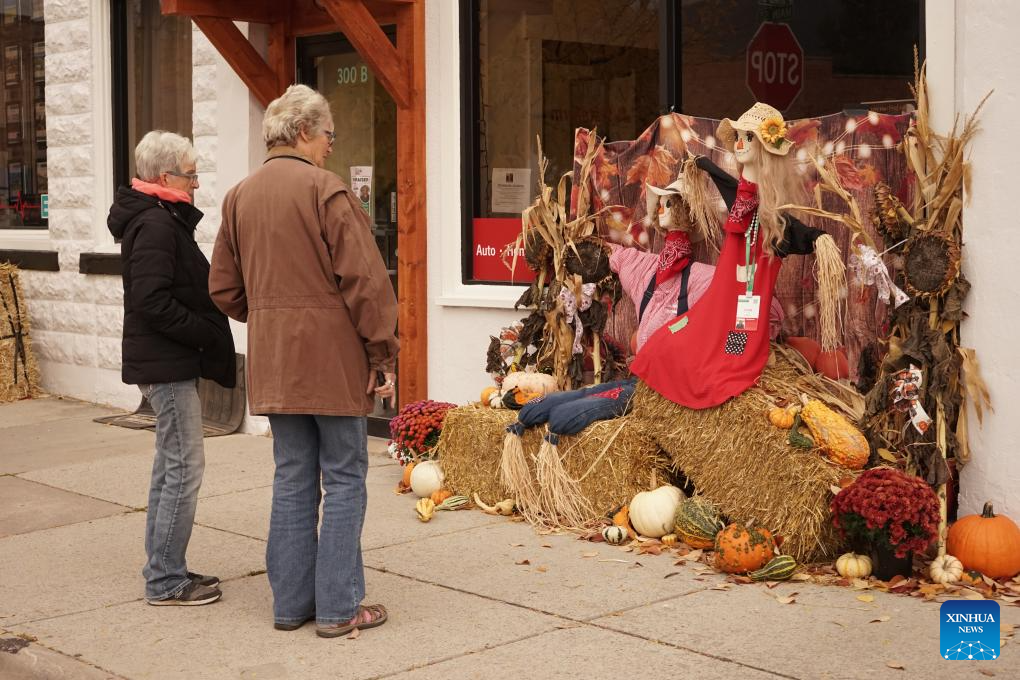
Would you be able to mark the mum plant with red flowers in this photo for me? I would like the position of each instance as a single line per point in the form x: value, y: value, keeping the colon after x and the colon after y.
x: 414, y: 432
x: 887, y: 506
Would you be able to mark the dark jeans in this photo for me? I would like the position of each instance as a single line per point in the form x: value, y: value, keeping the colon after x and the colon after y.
x: 317, y: 572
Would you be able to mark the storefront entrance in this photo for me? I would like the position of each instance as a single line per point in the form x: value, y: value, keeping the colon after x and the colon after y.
x: 365, y: 151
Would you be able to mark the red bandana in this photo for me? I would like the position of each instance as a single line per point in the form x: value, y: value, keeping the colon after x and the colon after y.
x: 675, y: 255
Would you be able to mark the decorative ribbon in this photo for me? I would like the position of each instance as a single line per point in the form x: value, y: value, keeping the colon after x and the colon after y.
x: 868, y: 269
x: 905, y: 394
x: 17, y: 331
x: 571, y: 307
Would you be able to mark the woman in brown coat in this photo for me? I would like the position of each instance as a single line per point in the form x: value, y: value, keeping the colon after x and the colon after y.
x: 295, y: 258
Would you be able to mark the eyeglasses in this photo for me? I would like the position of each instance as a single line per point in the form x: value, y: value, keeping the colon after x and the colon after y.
x: 192, y: 176
x: 330, y: 135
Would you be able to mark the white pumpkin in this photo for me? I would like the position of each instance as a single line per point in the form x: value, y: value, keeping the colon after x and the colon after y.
x: 530, y: 382
x: 653, y: 513
x: 614, y: 535
x: 945, y: 569
x: 426, y: 478
x: 851, y: 565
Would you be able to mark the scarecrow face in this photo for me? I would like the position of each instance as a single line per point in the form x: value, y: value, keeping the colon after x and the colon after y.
x: 673, y: 215
x: 746, y: 148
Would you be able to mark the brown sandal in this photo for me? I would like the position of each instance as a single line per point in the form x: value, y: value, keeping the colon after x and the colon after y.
x: 368, y: 616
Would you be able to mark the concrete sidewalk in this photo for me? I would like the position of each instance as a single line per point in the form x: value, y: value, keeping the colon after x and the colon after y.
x: 469, y: 595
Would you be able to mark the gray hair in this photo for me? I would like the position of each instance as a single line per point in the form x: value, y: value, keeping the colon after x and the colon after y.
x: 161, y: 151
x: 299, y: 108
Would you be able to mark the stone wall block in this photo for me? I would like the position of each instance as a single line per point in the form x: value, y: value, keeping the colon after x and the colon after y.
x: 204, y: 121
x: 65, y: 99
x: 109, y: 321
x: 70, y: 161
x: 71, y: 192
x: 203, y: 83
x: 62, y: 10
x: 68, y: 67
x: 108, y: 353
x: 69, y: 130
x: 67, y: 36
x: 107, y: 291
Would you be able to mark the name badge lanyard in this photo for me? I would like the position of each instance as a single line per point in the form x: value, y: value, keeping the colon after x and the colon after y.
x: 749, y: 303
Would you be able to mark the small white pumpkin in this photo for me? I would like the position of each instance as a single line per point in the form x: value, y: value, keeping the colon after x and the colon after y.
x: 530, y: 382
x: 851, y: 565
x: 614, y: 535
x: 426, y: 478
x: 653, y: 513
x: 945, y: 569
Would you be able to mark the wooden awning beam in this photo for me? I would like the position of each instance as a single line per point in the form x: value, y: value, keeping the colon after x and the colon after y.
x: 242, y: 57
x: 360, y: 27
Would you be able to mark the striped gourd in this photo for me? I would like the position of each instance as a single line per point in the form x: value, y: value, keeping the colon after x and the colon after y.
x: 779, y: 568
x: 843, y: 443
x: 697, y: 522
x: 453, y: 503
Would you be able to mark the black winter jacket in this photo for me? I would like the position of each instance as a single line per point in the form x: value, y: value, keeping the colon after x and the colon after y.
x: 172, y: 330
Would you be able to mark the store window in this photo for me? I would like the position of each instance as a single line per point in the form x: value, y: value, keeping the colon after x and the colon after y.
x: 23, y: 186
x: 543, y: 68
x: 151, y: 77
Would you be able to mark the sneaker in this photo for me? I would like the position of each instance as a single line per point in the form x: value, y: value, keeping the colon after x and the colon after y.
x: 208, y: 581
x: 192, y: 595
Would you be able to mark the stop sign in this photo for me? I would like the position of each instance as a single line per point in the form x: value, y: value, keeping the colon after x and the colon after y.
x: 775, y: 65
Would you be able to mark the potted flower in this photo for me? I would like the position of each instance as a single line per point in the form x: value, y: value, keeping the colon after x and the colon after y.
x: 414, y: 432
x: 889, y: 514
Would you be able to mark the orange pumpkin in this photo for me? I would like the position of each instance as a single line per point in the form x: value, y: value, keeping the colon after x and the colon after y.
x: 739, y: 549
x: 406, y: 479
x: 808, y: 348
x: 440, y: 496
x: 987, y: 543
x: 487, y: 394
x: 621, y: 518
x: 833, y: 365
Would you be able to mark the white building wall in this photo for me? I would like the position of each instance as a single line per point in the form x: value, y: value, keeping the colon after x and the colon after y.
x: 988, y: 57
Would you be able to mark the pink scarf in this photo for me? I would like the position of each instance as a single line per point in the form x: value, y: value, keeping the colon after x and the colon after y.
x: 675, y: 255
x: 161, y: 192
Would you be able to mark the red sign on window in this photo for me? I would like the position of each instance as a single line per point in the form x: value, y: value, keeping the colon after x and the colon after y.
x: 494, y: 238
x: 775, y: 65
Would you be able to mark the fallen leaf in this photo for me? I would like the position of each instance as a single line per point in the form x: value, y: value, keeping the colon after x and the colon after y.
x: 866, y: 598
x: 800, y: 577
x: 590, y: 554
x: 650, y: 549
x: 834, y: 489
x: 722, y: 586
x: 861, y: 584
x: 898, y: 578
x: 886, y: 454
x: 896, y: 664
x: 522, y: 562
x: 742, y: 580
x: 986, y: 672
x: 355, y: 634
x: 1009, y: 598
x: 546, y: 545
x: 930, y: 590
x: 516, y: 545
x: 542, y: 569
x: 880, y: 619
x: 788, y: 599
x: 695, y: 555
x: 672, y: 573
x: 636, y: 564
x: 969, y: 594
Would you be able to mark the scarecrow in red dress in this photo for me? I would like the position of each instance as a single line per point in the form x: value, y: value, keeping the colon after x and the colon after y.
x: 719, y: 348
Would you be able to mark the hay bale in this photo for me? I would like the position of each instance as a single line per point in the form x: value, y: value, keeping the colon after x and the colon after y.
x: 737, y: 459
x: 610, y: 460
x: 19, y: 373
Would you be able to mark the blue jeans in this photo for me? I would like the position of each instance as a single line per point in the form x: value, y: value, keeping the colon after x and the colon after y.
x: 173, y: 493
x: 317, y: 574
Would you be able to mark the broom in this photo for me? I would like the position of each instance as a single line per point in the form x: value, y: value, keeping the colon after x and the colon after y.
x: 559, y: 498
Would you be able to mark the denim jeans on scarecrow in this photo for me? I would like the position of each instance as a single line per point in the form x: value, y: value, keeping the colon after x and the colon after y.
x: 173, y: 492
x: 317, y: 574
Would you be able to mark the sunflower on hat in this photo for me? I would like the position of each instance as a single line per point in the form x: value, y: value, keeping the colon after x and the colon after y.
x: 773, y: 131
x: 765, y: 121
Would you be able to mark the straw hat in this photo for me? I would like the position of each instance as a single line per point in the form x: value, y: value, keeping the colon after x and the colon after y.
x: 765, y: 122
x: 652, y: 194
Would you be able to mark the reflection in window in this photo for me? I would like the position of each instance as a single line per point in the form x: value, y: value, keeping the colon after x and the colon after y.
x: 155, y: 58
x: 23, y: 111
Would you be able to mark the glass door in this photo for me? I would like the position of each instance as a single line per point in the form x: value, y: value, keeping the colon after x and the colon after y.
x: 365, y: 151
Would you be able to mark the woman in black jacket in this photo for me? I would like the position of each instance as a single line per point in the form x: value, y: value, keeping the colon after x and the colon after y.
x: 173, y: 334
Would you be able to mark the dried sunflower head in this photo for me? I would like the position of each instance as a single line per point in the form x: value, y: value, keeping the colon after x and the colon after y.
x: 931, y: 263
x: 537, y: 252
x: 590, y: 262
x: 887, y: 213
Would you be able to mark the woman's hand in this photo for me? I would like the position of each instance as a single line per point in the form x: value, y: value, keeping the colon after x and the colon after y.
x: 387, y: 390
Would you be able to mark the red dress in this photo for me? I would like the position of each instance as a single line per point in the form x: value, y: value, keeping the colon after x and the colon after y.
x: 704, y: 357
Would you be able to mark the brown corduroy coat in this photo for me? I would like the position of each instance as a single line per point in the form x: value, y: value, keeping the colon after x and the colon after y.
x: 295, y: 258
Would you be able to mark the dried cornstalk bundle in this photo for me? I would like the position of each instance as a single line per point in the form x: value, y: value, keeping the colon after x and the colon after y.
x: 931, y: 264
x: 890, y: 217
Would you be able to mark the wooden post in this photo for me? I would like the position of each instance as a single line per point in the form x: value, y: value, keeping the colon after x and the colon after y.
x: 412, y: 244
